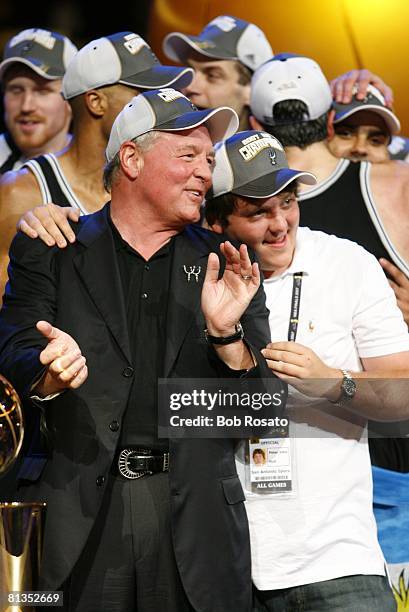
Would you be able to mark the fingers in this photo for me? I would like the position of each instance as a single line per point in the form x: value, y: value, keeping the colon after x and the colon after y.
x: 50, y: 224
x: 59, y: 344
x: 213, y: 267
x: 385, y: 90
x: 24, y: 227
x: 397, y: 275
x: 239, y: 261
x: 47, y: 330
x: 363, y: 80
x: 54, y: 221
x: 73, y: 364
x: 81, y: 376
x: 342, y: 86
x: 284, y: 358
x: 71, y: 376
x: 290, y: 347
x: 30, y: 220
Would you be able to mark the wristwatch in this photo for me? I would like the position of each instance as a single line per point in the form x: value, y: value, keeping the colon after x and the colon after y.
x: 221, y: 340
x: 348, y: 389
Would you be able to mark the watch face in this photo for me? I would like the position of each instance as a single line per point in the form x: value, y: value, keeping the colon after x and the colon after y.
x: 349, y: 387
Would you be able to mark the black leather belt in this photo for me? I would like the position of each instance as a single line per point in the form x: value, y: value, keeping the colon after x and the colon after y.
x: 137, y: 462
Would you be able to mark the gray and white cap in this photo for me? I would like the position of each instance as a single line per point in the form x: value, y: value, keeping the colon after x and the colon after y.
x: 289, y: 77
x: 47, y: 53
x: 124, y: 58
x: 373, y: 101
x: 167, y: 110
x: 225, y: 37
x: 253, y: 164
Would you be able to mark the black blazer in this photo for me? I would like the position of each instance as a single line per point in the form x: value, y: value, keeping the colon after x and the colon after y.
x: 79, y: 290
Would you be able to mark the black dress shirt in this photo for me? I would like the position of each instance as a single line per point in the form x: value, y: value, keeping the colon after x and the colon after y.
x: 145, y: 285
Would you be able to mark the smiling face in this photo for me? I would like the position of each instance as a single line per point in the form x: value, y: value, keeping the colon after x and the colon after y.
x: 36, y: 115
x: 269, y: 226
x: 176, y: 173
x: 258, y: 457
x: 362, y: 136
x: 217, y: 83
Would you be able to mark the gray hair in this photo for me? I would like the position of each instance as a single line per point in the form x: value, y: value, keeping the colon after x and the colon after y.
x: 143, y: 142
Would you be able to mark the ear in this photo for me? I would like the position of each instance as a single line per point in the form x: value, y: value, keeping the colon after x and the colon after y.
x: 255, y: 124
x: 68, y: 114
x: 217, y: 228
x: 131, y: 160
x: 330, y: 124
x: 246, y: 94
x: 96, y: 102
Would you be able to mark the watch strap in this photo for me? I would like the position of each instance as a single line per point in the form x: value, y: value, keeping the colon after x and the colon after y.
x: 348, y: 389
x: 222, y: 340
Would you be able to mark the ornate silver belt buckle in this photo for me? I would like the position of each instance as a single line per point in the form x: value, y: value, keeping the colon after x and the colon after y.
x: 123, y: 464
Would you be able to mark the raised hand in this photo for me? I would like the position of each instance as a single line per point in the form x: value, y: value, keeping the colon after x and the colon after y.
x: 224, y: 300
x: 66, y: 366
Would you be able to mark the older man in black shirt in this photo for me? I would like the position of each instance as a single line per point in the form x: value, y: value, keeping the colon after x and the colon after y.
x: 122, y: 531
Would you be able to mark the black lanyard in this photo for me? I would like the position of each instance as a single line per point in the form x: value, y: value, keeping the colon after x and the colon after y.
x: 295, y: 306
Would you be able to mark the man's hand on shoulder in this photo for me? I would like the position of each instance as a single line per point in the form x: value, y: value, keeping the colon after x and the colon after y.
x: 400, y: 285
x: 49, y: 222
x: 66, y: 366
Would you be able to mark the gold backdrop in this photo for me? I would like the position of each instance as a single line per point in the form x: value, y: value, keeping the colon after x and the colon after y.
x: 338, y: 34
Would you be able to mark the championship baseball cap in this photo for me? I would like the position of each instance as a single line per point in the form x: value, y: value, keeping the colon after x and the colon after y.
x: 373, y: 101
x: 225, y: 37
x: 289, y: 77
x: 253, y: 164
x: 47, y: 53
x: 167, y: 110
x: 124, y: 58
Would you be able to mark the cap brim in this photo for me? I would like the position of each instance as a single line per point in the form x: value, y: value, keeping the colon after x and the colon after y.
x: 221, y: 122
x: 391, y: 120
x: 160, y: 76
x: 177, y: 47
x: 272, y: 183
x: 31, y: 64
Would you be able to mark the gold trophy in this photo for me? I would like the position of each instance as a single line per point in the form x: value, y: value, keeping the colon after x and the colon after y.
x: 20, y: 523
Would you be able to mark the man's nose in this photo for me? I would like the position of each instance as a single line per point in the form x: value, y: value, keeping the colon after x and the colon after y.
x: 359, y: 146
x: 204, y: 172
x: 28, y: 101
x: 196, y: 85
x: 277, y: 222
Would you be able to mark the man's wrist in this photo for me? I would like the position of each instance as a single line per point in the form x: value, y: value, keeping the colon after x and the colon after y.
x: 226, y: 337
x: 221, y: 331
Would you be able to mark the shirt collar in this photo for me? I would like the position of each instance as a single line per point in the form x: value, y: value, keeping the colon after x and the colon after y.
x: 303, y: 255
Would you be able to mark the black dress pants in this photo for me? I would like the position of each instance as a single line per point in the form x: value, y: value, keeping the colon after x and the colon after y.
x: 128, y: 563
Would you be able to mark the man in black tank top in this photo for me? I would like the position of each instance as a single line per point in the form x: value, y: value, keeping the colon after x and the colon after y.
x: 37, y: 119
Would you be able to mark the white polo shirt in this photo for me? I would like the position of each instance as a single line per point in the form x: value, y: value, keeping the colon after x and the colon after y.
x: 326, y: 529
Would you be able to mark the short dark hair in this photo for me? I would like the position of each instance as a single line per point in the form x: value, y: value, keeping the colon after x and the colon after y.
x: 245, y: 73
x: 220, y: 208
x: 293, y: 130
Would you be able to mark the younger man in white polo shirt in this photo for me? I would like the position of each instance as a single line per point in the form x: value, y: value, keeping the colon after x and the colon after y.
x: 334, y: 320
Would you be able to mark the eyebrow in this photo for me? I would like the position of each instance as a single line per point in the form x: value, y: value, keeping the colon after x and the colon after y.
x: 194, y: 148
x: 373, y: 131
